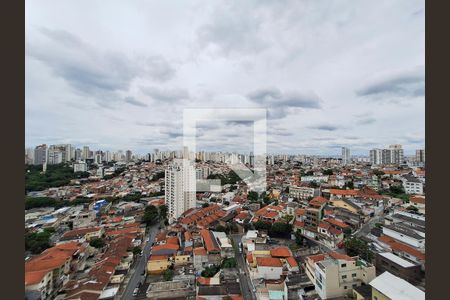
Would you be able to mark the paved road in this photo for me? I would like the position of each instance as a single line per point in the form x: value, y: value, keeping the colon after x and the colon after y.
x: 244, y: 278
x: 365, y: 229
x: 140, y: 264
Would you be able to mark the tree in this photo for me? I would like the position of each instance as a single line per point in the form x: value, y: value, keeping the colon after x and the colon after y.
x: 163, y: 211
x: 210, y: 271
x: 328, y: 172
x: 97, y: 243
x: 314, y: 184
x: 378, y: 172
x: 349, y: 185
x: 261, y: 225
x: 347, y: 230
x: 357, y: 247
x: 150, y: 215
x: 298, y: 237
x: 226, y: 203
x: 220, y: 228
x: 252, y: 196
x: 412, y: 208
x: 206, y: 204
x: 229, y: 263
x: 36, y: 242
x: 280, y: 229
x: 396, y: 189
x: 137, y: 250
x: 168, y: 274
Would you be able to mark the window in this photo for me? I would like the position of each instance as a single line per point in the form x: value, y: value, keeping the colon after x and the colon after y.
x: 354, y: 285
x: 343, y: 265
x: 354, y: 275
x: 375, y: 298
x: 345, y: 287
x: 344, y: 276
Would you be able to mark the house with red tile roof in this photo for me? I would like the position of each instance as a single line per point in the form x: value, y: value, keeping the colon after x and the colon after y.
x: 209, y: 242
x: 100, y: 275
x: 329, y: 235
x: 403, y: 250
x: 82, y: 234
x: 280, y: 252
x: 269, y: 267
x: 40, y: 270
x: 292, y: 264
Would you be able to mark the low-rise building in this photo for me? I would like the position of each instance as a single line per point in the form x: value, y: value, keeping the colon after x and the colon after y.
x: 269, y: 267
x: 388, y: 286
x: 335, y: 275
x: 387, y: 261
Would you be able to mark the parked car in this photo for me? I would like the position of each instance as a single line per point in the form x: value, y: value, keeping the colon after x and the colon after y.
x: 136, y: 292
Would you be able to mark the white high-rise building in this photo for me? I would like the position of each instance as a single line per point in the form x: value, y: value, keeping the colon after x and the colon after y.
x: 393, y: 155
x: 376, y: 156
x: 346, y: 158
x: 396, y: 154
x: 86, y: 153
x: 179, y: 188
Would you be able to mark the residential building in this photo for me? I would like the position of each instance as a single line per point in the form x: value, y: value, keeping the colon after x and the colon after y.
x: 388, y: 286
x: 393, y: 155
x: 303, y: 192
x: 376, y: 156
x: 412, y: 185
x: 420, y: 155
x: 80, y: 166
x: 269, y: 267
x: 346, y: 158
x: 86, y: 154
x: 40, y: 154
x: 335, y: 275
x: 179, y: 188
x: 387, y: 261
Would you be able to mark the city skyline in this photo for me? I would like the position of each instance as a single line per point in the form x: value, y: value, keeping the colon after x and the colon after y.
x: 110, y: 84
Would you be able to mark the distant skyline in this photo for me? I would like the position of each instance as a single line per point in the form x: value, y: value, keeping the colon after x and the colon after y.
x: 144, y: 152
x: 331, y: 74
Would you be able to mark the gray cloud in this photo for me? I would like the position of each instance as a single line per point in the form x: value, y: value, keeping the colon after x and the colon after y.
x: 366, y: 121
x: 280, y: 103
x: 232, y: 29
x: 406, y: 84
x: 91, y: 72
x: 325, y: 127
x: 165, y: 95
x: 133, y: 101
x: 274, y: 97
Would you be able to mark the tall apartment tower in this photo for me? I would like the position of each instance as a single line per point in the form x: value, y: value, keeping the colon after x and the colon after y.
x: 40, y: 154
x: 128, y: 155
x: 179, y: 188
x: 346, y: 156
x: 376, y: 156
x: 86, y: 153
x: 420, y: 155
x: 396, y: 154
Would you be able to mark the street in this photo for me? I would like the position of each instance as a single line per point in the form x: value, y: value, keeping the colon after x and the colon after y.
x: 365, y: 229
x: 140, y: 264
x: 244, y: 278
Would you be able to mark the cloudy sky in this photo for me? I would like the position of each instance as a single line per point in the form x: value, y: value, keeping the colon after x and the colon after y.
x: 118, y: 74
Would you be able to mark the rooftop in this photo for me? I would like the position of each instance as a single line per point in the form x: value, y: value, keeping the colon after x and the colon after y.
x: 396, y: 288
